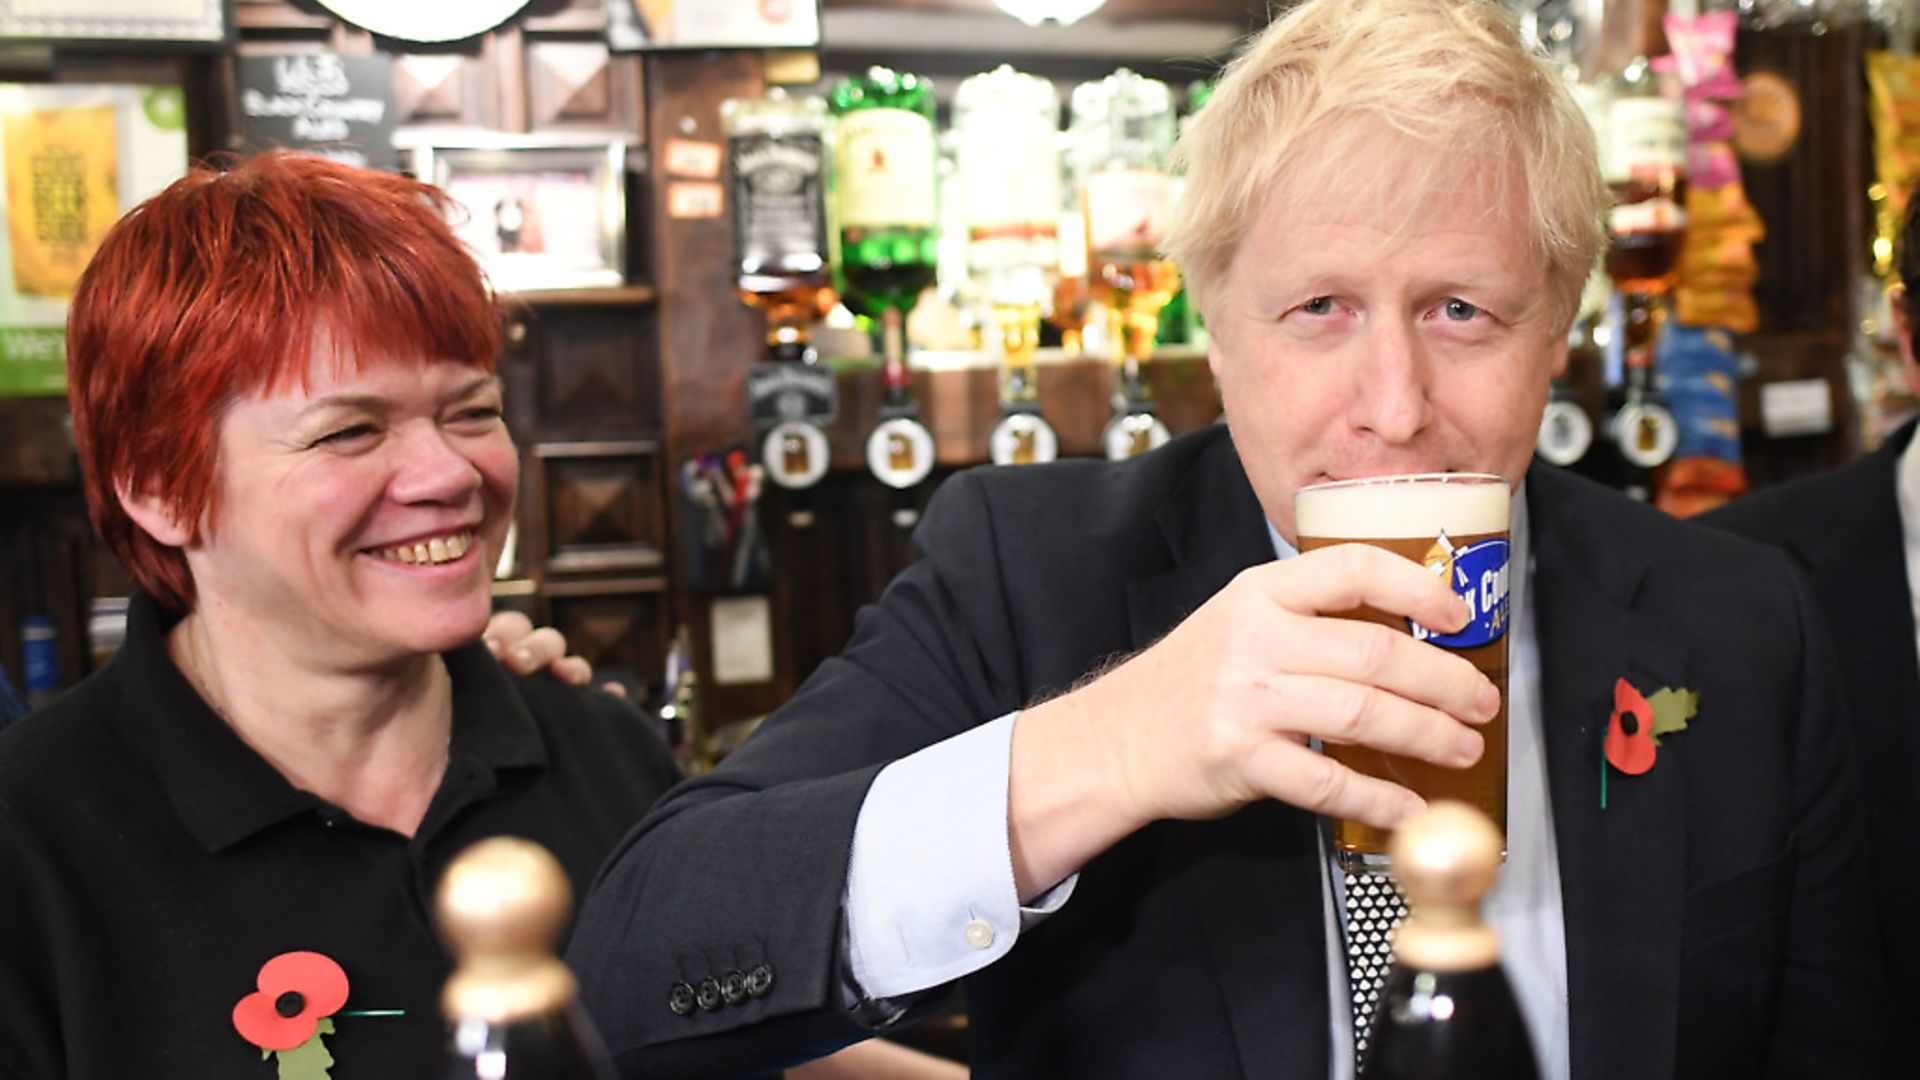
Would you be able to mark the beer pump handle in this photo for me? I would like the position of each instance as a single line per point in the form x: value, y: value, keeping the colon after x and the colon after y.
x: 510, y: 1003
x: 1448, y: 1012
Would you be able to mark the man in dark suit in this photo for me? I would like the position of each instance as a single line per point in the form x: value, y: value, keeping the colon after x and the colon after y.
x: 1068, y: 757
x: 1855, y: 533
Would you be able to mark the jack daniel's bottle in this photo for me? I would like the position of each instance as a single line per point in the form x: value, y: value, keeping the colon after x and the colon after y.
x: 776, y: 148
x: 510, y: 1002
x: 1447, y: 1012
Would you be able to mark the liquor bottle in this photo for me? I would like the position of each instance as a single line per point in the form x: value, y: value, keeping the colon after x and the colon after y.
x: 1643, y: 429
x: 510, y: 1003
x: 1009, y: 163
x: 1645, y: 163
x: 1123, y: 128
x: 1566, y: 429
x: 1072, y: 296
x: 884, y: 162
x: 1180, y: 322
x: 1447, y: 1011
x: 776, y: 150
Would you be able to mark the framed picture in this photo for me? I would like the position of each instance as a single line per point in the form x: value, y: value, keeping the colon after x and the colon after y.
x: 538, y: 214
x: 76, y: 157
x: 647, y: 25
x: 118, y: 23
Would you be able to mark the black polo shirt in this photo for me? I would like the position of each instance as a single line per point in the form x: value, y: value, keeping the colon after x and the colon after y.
x: 150, y: 863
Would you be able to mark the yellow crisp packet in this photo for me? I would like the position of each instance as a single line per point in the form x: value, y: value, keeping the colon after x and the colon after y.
x: 1723, y: 208
x: 1733, y: 309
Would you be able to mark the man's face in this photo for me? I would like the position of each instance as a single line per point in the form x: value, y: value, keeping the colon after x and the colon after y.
x: 1362, y: 335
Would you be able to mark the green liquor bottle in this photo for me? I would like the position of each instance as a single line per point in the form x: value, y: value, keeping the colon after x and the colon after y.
x: 885, y: 184
x: 884, y: 164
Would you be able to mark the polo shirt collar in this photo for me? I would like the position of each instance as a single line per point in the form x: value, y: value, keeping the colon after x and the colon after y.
x: 224, y: 792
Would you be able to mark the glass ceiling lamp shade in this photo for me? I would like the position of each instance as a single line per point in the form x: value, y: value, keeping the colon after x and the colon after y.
x: 1060, y: 12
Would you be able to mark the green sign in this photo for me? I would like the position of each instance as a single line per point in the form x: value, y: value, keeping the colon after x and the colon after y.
x: 33, y: 361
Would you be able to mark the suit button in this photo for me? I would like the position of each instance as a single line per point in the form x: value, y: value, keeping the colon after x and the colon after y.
x: 709, y: 993
x: 733, y: 987
x: 760, y: 980
x: 681, y: 999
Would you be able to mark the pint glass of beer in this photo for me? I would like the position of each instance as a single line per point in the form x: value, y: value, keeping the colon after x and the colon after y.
x: 1454, y: 524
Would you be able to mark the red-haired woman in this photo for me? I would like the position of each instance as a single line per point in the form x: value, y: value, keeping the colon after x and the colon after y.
x: 285, y: 408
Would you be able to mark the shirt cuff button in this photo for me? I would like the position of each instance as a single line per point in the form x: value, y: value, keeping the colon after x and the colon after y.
x: 979, y: 933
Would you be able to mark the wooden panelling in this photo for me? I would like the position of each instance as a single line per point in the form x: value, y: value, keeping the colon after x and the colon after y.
x: 603, y: 506
x: 619, y: 626
x: 48, y: 553
x: 37, y: 449
x: 446, y: 88
x: 598, y: 371
x: 579, y: 85
x: 565, y: 16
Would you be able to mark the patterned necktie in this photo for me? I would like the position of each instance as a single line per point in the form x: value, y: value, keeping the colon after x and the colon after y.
x: 1373, y: 909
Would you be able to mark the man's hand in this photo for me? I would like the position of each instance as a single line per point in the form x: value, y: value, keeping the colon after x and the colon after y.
x: 524, y: 650
x: 1217, y: 714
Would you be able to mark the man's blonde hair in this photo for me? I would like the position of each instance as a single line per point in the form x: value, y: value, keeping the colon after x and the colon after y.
x: 1451, y: 75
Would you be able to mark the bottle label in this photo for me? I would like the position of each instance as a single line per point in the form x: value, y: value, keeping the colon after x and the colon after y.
x: 1645, y: 134
x: 1011, y: 180
x: 1127, y: 211
x: 884, y: 166
x: 1477, y: 573
x: 779, y: 211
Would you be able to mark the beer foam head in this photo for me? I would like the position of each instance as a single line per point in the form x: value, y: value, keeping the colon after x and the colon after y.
x: 1387, y: 508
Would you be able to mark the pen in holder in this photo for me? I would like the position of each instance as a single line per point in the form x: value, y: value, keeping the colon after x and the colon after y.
x: 721, y: 533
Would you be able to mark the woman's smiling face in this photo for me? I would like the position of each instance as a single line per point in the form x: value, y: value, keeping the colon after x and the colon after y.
x: 359, y: 517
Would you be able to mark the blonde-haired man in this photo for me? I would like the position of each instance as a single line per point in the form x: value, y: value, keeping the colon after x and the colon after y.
x: 1067, y: 757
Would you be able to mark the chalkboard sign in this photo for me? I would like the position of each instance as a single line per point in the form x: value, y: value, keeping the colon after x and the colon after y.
x: 339, y: 106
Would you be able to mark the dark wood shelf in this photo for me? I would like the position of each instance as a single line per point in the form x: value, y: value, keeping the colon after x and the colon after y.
x: 614, y: 296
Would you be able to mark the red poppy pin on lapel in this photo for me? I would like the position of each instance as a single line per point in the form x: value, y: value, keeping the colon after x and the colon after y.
x: 1638, y: 721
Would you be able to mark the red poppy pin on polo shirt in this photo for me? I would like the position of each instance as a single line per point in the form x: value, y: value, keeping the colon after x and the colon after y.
x: 1638, y: 721
x: 298, y: 994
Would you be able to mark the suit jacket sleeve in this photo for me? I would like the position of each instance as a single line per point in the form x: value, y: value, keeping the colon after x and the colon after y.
x: 745, y: 868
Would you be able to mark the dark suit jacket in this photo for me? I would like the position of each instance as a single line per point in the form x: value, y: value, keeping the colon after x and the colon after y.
x: 1717, y: 922
x: 1843, y: 529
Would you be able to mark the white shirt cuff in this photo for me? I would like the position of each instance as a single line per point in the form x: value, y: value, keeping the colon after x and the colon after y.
x: 930, y: 890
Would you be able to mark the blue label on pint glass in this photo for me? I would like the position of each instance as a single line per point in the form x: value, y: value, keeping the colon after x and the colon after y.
x: 1478, y: 574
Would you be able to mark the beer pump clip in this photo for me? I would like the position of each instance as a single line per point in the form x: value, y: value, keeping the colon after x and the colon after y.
x: 1022, y: 437
x: 1645, y: 431
x: 900, y: 449
x: 1134, y: 429
x: 1566, y: 431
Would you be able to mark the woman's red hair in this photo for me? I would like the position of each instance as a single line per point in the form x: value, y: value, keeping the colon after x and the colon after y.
x: 217, y: 288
